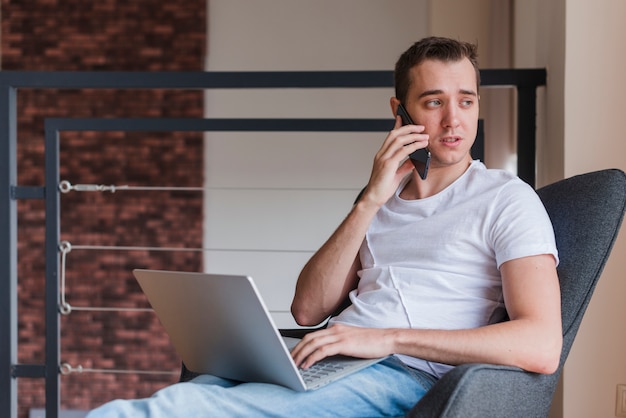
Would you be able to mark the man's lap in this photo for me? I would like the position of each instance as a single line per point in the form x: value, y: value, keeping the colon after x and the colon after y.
x: 388, y: 388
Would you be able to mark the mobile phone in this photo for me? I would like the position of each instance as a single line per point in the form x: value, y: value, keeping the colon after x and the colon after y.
x: 421, y: 157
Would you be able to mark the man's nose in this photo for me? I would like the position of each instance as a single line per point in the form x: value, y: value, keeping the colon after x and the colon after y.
x: 450, y: 117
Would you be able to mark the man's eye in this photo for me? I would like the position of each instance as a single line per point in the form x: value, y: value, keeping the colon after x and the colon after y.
x: 433, y: 103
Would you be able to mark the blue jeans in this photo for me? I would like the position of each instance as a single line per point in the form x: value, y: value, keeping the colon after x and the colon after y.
x: 388, y: 388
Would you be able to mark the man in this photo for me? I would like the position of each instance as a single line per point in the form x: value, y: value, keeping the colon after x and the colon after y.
x: 431, y: 266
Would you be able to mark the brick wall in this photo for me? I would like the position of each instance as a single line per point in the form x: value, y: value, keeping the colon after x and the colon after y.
x: 106, y: 35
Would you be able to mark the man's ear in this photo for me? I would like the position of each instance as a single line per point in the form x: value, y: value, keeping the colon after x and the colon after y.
x: 394, y: 103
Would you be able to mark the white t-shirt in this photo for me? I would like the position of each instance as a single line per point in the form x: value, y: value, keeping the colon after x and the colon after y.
x: 434, y: 263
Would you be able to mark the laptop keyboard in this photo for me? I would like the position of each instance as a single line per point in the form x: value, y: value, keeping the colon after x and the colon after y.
x: 320, y: 370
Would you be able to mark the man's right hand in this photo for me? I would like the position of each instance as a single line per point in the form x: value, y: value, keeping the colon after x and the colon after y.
x: 391, y: 163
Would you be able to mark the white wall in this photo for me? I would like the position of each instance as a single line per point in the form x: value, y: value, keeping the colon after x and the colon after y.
x: 595, y: 66
x: 539, y: 41
x: 488, y: 24
x: 581, y: 44
x: 277, y: 197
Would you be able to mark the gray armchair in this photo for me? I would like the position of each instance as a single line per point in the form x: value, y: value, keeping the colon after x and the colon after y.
x: 586, y: 212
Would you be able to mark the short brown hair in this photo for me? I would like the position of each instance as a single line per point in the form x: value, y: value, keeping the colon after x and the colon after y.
x: 433, y: 48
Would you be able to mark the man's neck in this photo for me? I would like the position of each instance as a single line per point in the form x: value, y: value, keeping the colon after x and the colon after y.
x: 436, y: 181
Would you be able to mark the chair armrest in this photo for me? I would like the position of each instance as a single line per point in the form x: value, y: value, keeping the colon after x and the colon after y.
x: 297, y: 332
x: 484, y: 391
x: 185, y: 374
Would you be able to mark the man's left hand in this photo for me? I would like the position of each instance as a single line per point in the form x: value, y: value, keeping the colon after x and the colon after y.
x: 342, y: 339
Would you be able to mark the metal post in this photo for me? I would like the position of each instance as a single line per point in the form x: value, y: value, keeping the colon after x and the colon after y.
x: 526, y: 133
x: 53, y: 326
x: 8, y: 251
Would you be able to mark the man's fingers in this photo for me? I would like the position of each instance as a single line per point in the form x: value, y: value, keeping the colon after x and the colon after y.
x: 313, y: 348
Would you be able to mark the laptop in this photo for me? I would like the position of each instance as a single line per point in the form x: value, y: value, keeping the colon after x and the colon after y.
x: 219, y: 325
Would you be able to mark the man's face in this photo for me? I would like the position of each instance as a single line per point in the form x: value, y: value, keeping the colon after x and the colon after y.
x: 444, y: 98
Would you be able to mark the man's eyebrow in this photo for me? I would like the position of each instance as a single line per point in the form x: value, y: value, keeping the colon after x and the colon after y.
x: 438, y: 91
x: 430, y: 93
x: 468, y: 92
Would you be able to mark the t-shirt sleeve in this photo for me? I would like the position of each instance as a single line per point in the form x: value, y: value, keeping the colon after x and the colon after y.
x: 520, y: 225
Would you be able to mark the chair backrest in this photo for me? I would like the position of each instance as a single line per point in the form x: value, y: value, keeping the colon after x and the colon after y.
x: 586, y: 213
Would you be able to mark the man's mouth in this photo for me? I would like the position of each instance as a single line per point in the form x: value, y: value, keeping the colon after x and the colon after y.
x: 451, y: 139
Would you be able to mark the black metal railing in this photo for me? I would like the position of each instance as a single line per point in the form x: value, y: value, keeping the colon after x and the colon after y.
x: 525, y: 82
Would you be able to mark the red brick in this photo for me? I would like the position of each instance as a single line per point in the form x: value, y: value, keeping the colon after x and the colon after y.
x: 130, y: 35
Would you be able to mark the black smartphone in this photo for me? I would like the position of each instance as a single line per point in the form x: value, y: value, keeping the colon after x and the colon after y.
x: 421, y: 157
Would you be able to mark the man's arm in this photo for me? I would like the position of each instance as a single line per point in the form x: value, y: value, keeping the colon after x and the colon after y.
x: 331, y: 273
x: 531, y: 340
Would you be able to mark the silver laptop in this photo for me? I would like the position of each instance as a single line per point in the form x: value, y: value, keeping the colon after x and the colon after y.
x: 219, y: 325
